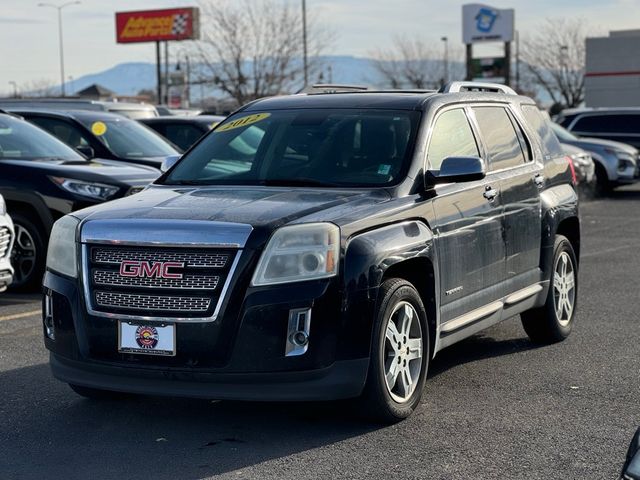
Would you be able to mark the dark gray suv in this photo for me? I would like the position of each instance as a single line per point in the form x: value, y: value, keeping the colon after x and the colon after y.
x: 321, y: 246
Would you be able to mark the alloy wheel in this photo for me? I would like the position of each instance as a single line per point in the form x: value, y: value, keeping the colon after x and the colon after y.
x: 23, y: 255
x: 402, y: 352
x: 564, y: 292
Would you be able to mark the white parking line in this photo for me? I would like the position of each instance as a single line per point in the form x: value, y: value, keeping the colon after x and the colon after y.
x: 20, y: 315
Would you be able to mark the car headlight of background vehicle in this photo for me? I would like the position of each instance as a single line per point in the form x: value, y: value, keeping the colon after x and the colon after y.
x: 625, y: 159
x: 299, y: 252
x: 3, y: 206
x: 98, y: 191
x: 62, y: 254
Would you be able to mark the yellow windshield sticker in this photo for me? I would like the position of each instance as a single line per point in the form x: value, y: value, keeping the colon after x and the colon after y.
x: 243, y: 121
x: 213, y: 124
x: 98, y: 128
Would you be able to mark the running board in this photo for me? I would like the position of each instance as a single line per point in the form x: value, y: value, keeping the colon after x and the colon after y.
x: 523, y: 294
x: 471, y: 317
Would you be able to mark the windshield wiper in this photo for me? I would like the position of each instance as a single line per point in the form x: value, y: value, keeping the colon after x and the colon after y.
x: 303, y: 182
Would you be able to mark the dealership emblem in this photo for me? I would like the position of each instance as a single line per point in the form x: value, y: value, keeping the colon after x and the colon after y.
x: 135, y: 268
x: 485, y: 19
x: 147, y: 337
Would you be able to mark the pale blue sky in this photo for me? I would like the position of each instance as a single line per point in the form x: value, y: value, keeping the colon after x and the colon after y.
x: 29, y: 48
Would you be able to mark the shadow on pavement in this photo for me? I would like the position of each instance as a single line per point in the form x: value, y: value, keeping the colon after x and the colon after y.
x: 49, y: 432
x: 8, y: 299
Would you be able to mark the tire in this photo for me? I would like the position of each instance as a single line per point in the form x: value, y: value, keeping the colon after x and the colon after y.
x: 552, y: 323
x: 603, y: 186
x: 96, y: 393
x: 28, y: 256
x: 397, y: 300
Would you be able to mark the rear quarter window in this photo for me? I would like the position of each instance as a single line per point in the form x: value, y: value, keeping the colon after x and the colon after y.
x: 542, y: 126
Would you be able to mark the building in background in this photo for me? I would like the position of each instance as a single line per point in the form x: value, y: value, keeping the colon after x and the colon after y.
x: 612, y: 77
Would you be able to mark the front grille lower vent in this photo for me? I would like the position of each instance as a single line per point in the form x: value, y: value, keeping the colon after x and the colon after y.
x: 5, y: 240
x: 157, y: 303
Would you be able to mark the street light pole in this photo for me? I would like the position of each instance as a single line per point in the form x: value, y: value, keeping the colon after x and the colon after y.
x: 59, y: 8
x: 15, y: 88
x: 304, y: 43
x: 445, y: 40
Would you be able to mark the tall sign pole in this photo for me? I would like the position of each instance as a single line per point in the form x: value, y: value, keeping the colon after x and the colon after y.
x: 304, y: 43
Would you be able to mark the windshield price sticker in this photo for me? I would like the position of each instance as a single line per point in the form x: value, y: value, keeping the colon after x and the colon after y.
x: 99, y: 128
x: 243, y: 121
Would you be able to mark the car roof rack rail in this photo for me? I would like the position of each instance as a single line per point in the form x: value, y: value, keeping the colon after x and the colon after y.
x: 333, y: 88
x: 455, y: 87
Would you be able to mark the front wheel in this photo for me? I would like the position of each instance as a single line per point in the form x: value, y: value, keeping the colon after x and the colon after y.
x: 552, y: 322
x: 399, y: 353
x: 28, y: 255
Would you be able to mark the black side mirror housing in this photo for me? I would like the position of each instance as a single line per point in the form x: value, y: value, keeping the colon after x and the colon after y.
x: 458, y: 169
x: 86, y: 150
x: 169, y: 162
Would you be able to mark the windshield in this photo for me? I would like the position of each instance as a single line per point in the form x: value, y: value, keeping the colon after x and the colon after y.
x: 563, y: 134
x: 22, y: 140
x: 323, y: 147
x: 128, y: 139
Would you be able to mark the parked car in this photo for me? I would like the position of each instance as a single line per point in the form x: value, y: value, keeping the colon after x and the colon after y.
x: 43, y: 179
x: 183, y: 131
x: 631, y: 468
x: 164, y: 110
x: 362, y: 234
x: 583, y: 166
x: 617, y: 124
x: 615, y: 163
x: 104, y: 135
x: 131, y: 110
x: 6, y: 243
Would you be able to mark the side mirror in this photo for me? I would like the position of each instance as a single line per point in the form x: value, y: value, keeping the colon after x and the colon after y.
x: 169, y: 162
x: 458, y: 169
x: 86, y: 150
x: 631, y: 469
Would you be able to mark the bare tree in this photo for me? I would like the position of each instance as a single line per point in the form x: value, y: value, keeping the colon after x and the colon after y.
x: 555, y: 58
x: 415, y: 63
x: 253, y: 48
x: 42, y: 87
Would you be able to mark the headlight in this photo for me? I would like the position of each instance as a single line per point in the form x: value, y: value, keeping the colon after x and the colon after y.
x: 98, y: 191
x: 62, y: 252
x: 3, y: 206
x: 299, y: 252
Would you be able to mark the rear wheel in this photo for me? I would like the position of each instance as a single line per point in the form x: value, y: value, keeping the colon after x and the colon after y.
x: 28, y: 254
x: 552, y: 322
x: 399, y: 353
x: 603, y: 185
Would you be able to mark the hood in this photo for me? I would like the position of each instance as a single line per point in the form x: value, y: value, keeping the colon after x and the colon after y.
x: 589, y: 143
x: 264, y: 208
x: 97, y: 170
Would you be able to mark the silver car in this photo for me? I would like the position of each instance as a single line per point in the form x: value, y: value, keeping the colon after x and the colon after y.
x: 616, y: 163
x: 6, y: 242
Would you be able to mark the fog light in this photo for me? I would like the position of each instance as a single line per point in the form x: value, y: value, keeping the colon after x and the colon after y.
x: 49, y: 329
x: 298, y: 332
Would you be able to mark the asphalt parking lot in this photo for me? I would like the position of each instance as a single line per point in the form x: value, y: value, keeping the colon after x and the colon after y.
x: 495, y: 405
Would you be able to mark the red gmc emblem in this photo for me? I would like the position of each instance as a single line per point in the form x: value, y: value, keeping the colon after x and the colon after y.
x: 134, y: 268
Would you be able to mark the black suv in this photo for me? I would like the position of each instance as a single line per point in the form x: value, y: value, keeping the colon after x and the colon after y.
x: 42, y: 179
x: 321, y: 246
x: 182, y: 131
x: 103, y: 135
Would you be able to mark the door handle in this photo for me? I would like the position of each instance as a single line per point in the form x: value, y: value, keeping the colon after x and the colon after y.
x: 539, y: 179
x: 490, y: 193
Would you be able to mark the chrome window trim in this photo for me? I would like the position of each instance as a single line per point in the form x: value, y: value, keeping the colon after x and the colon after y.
x: 86, y: 278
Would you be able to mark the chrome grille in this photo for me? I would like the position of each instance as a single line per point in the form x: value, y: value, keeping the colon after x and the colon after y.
x: 187, y: 282
x: 113, y: 255
x: 5, y: 240
x: 195, y: 295
x: 160, y: 303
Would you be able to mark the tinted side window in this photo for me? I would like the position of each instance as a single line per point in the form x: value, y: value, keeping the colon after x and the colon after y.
x: 622, y: 123
x: 62, y: 130
x: 452, y: 137
x: 499, y: 135
x: 182, y: 135
x: 542, y: 126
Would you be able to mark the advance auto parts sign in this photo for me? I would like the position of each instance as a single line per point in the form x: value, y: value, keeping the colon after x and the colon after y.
x: 158, y: 25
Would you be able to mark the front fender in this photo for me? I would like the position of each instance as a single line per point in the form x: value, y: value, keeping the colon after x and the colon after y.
x: 367, y: 257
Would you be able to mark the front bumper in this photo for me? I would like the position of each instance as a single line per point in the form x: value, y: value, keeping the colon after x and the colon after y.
x: 6, y: 270
x: 246, y: 349
x: 343, y: 379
